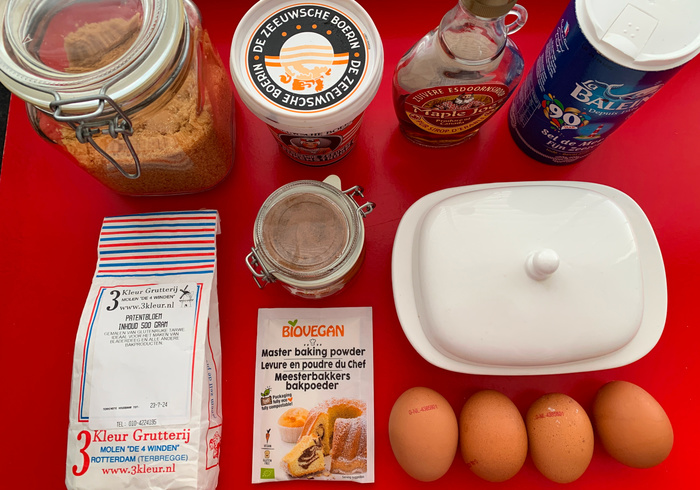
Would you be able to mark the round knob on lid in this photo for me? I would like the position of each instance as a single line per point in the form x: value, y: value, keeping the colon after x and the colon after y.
x: 541, y: 264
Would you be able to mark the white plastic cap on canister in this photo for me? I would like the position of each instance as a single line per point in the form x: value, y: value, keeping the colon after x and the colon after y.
x: 306, y: 67
x: 642, y: 34
x: 528, y: 278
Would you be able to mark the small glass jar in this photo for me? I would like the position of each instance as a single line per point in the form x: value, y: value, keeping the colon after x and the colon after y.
x: 133, y: 90
x: 309, y: 236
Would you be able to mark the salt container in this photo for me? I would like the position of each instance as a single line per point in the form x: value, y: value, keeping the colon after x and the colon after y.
x: 602, y: 62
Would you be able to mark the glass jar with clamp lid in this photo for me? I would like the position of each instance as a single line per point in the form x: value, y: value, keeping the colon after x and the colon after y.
x: 133, y: 90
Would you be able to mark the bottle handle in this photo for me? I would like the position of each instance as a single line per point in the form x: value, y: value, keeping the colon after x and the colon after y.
x: 520, y: 18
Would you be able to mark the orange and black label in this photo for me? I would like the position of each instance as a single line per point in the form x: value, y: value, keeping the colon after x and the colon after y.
x: 454, y: 109
x: 306, y: 58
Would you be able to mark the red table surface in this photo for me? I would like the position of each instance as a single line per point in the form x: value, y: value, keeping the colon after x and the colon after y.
x: 51, y: 213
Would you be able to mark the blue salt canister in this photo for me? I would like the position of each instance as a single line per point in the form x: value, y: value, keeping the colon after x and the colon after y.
x: 604, y: 59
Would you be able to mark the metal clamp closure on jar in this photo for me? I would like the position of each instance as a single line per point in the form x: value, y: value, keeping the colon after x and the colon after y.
x: 309, y: 235
x: 99, y: 121
x: 85, y: 128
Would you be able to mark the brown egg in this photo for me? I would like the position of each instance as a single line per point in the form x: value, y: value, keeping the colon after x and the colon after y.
x: 560, y: 436
x: 423, y: 433
x: 631, y: 424
x: 492, y: 436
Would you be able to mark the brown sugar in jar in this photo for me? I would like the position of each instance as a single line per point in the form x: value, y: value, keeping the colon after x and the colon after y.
x: 309, y: 236
x: 179, y: 148
x: 156, y: 114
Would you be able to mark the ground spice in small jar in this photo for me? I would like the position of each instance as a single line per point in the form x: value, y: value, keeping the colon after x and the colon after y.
x: 134, y: 91
x: 309, y: 236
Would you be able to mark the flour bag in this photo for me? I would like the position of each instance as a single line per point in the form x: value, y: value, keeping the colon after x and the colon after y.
x: 145, y: 409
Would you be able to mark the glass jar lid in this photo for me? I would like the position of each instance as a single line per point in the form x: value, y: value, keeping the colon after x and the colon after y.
x: 78, y: 52
x: 308, y: 233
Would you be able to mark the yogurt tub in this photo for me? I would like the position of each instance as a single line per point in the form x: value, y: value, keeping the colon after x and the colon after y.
x: 309, y: 71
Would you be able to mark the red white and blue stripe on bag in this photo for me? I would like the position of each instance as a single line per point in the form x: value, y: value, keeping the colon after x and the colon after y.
x: 158, y: 244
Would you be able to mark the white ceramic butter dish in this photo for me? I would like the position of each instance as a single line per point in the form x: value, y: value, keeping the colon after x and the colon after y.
x: 529, y: 278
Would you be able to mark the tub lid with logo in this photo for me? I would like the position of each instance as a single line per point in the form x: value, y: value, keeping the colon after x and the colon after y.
x: 641, y: 34
x: 306, y: 66
x: 529, y: 278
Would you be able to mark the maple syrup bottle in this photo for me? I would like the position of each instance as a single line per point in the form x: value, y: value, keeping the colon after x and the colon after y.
x: 459, y: 74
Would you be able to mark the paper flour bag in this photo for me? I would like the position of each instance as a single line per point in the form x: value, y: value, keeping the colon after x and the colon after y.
x: 314, y: 400
x: 145, y: 401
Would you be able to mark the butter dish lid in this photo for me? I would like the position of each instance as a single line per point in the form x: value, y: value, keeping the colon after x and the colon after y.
x: 529, y: 278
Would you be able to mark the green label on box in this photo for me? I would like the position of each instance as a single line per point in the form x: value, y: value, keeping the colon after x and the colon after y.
x: 267, y: 473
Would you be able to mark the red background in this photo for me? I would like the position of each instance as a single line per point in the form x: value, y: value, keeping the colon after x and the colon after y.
x: 51, y: 212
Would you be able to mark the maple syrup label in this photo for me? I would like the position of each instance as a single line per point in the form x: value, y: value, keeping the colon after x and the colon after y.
x: 454, y: 109
x: 306, y: 58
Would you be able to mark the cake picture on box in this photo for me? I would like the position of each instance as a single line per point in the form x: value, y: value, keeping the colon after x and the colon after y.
x: 333, y: 439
